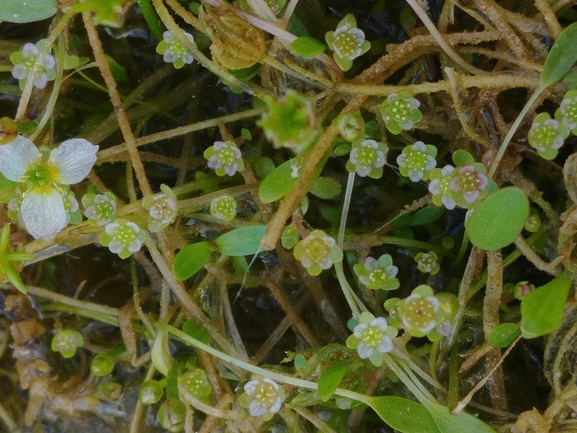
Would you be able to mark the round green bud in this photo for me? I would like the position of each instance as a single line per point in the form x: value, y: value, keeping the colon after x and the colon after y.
x: 102, y: 365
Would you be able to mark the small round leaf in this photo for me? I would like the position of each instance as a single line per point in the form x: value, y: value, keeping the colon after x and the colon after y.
x: 498, y: 219
x: 306, y: 46
x: 502, y: 335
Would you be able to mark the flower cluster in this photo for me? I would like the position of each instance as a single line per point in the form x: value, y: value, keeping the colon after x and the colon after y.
x: 224, y: 157
x: 547, y: 135
x: 372, y: 337
x: 378, y: 274
x: 400, y: 112
x: 262, y: 397
x: 45, y: 203
x: 367, y: 158
x: 290, y: 121
x: 173, y: 52
x: 318, y: 251
x: 100, y: 209
x: 423, y: 313
x: 66, y: 342
x: 161, y: 209
x: 417, y: 160
x: 24, y: 61
x: 122, y: 237
x: 223, y: 208
x: 439, y: 187
x: 428, y: 263
x: 467, y: 183
x: 347, y: 42
x: 566, y: 114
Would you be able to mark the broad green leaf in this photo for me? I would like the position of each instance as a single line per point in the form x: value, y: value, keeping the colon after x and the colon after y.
x: 426, y: 216
x: 244, y: 241
x: 193, y: 329
x: 306, y: 46
x: 279, y: 183
x: 326, y: 187
x: 190, y: 260
x: 542, y: 308
x: 20, y: 11
x: 449, y: 423
x: 462, y: 157
x: 406, y: 416
x: 498, y: 219
x: 561, y: 58
x: 331, y: 378
x: 502, y: 335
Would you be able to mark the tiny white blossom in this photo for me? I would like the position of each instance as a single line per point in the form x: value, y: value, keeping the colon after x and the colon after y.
x: 41, y: 176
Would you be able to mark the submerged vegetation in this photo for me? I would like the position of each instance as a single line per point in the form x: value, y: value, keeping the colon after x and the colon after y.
x: 284, y: 216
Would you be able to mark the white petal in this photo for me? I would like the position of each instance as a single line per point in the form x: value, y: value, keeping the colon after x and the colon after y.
x: 250, y: 386
x: 256, y: 409
x: 364, y: 351
x: 73, y: 158
x: 43, y: 213
x: 19, y: 72
x: 17, y: 157
x: 41, y: 81
x: 386, y: 345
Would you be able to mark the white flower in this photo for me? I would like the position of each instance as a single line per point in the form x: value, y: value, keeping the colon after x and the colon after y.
x: 264, y: 397
x: 42, y: 208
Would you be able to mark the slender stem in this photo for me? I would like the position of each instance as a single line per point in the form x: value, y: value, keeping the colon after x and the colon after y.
x: 513, y: 129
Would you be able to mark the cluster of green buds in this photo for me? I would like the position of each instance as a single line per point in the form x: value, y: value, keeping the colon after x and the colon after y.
x: 347, y: 42
x: 290, y: 121
x: 66, y: 342
x: 173, y: 52
x: 122, y: 237
x: 100, y: 209
x: 400, y: 112
x: 24, y: 61
x: 378, y: 274
x: 372, y: 338
x: 317, y: 252
x: 423, y: 313
x: 195, y: 382
x: 547, y: 135
x: 417, y: 161
x: 223, y: 208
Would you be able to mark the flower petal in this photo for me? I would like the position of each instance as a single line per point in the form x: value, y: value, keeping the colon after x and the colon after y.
x: 43, y: 213
x: 73, y: 158
x: 17, y: 157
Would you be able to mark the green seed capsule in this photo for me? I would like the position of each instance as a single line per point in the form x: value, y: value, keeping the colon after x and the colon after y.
x: 150, y: 392
x: 171, y: 415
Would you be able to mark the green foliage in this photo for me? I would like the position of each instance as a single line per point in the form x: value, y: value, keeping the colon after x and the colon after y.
x: 331, y: 379
x: 542, y: 308
x: 498, y: 220
x: 280, y: 181
x: 561, y: 57
x: 18, y: 11
x: 404, y: 415
x: 192, y: 328
x: 189, y: 260
x: 326, y: 187
x: 503, y: 334
x: 306, y: 46
x: 244, y: 241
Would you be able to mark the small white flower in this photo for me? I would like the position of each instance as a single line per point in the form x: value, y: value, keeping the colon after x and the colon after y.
x: 42, y: 208
x: 263, y: 397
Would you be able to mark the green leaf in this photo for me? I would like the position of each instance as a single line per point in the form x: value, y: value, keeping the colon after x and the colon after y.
x: 542, y: 308
x: 193, y: 329
x: 306, y: 46
x: 326, y: 187
x: 279, y: 183
x: 190, y: 260
x: 502, y: 335
x: 449, y: 423
x: 462, y: 157
x: 561, y: 58
x: 243, y: 241
x: 331, y: 378
x: 19, y: 11
x: 406, y: 416
x: 426, y: 216
x: 498, y: 219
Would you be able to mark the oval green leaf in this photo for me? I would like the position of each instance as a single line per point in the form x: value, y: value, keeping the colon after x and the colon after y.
x: 406, y: 416
x: 498, y: 219
x: 542, y: 309
x: 193, y: 329
x: 243, y: 241
x: 330, y: 379
x: 279, y: 183
x: 448, y: 423
x: 306, y: 46
x: 190, y: 260
x: 561, y: 58
x: 326, y: 187
x: 18, y: 11
x: 502, y: 335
